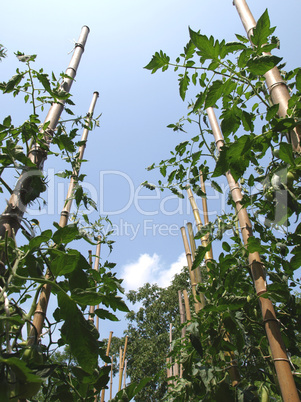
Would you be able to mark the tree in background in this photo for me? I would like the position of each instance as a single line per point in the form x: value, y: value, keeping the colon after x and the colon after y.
x: 148, y: 335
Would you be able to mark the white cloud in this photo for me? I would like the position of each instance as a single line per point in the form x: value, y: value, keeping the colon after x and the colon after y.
x: 152, y: 270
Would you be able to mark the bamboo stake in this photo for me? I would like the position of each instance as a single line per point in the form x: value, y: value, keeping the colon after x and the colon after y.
x: 187, y: 306
x: 233, y: 370
x: 107, y: 354
x: 182, y: 320
x: 197, y: 305
x: 122, y: 363
x: 168, y: 369
x: 111, y: 380
x: 198, y: 221
x: 96, y: 265
x: 204, y: 199
x: 13, y: 213
x: 198, y: 275
x: 120, y: 368
x: 40, y: 313
x: 272, y: 328
x: 276, y: 85
x: 91, y: 318
x: 67, y: 207
x: 124, y: 374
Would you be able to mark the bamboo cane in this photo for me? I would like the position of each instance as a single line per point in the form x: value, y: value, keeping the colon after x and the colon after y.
x: 187, y: 306
x: 96, y: 265
x: 168, y: 375
x: 122, y: 363
x: 120, y: 368
x: 107, y: 354
x: 276, y: 85
x: 40, y: 313
x: 198, y: 221
x: 111, y: 379
x: 182, y: 320
x: 91, y: 318
x: 233, y: 370
x: 13, y: 213
x: 124, y: 374
x: 198, y: 275
x: 197, y: 304
x: 272, y: 328
x: 66, y: 210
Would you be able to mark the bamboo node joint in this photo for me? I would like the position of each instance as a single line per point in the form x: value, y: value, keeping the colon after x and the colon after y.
x: 276, y: 84
x: 77, y: 44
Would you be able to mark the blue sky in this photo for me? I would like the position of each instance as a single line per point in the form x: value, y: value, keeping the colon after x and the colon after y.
x: 136, y: 107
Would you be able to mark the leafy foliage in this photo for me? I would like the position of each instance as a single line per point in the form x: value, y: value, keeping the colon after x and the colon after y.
x: 229, y: 77
x: 148, y: 334
x: 50, y: 257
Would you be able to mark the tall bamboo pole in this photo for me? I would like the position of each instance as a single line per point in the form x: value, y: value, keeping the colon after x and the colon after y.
x: 187, y: 306
x: 120, y: 369
x: 197, y: 305
x: 67, y: 207
x: 96, y: 265
x: 124, y: 373
x: 197, y: 271
x: 272, y: 327
x: 13, y: 213
x: 170, y: 349
x: 111, y: 378
x: 198, y: 275
x: 198, y: 221
x: 122, y: 360
x: 40, y: 312
x: 276, y: 85
x: 182, y: 320
x: 107, y: 354
x: 233, y: 370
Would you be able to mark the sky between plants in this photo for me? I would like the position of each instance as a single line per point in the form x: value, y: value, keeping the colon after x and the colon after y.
x: 136, y: 107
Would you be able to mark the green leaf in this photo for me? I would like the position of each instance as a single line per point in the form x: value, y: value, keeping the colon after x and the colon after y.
x: 298, y: 80
x: 184, y: 83
x: 296, y: 259
x: 86, y: 297
x: 76, y: 331
x: 226, y: 247
x: 259, y: 65
x: 247, y: 121
x: 158, y: 61
x: 286, y: 153
x: 115, y: 302
x: 262, y: 30
x: 255, y: 245
x: 200, y: 255
x: 204, y: 44
x: 20, y: 369
x: 13, y: 83
x: 215, y: 91
x: 272, y: 111
x: 105, y: 315
x: 66, y: 234
x: 199, y: 101
x: 7, y: 121
x: 65, y: 263
x: 242, y: 38
x: 231, y: 47
x: 43, y: 78
x: 216, y: 186
x: 42, y: 238
x: 231, y: 121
